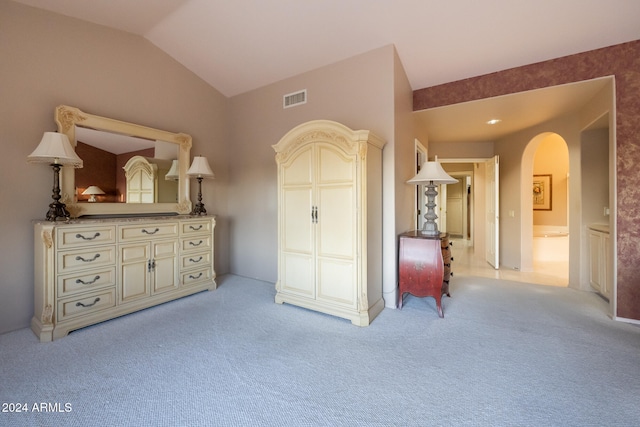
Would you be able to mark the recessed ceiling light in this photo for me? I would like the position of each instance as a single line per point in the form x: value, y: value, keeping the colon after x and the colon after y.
x: 493, y: 121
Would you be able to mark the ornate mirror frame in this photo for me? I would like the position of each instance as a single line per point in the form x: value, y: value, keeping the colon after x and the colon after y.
x: 67, y: 118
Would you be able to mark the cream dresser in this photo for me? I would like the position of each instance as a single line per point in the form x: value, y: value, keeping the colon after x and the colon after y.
x: 89, y: 271
x: 330, y: 220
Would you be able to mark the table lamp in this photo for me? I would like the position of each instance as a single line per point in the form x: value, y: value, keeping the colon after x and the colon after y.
x: 92, y: 191
x: 173, y: 174
x: 431, y: 174
x: 55, y: 149
x: 200, y: 169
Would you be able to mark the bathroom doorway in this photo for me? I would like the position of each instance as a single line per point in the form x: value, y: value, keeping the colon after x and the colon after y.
x: 550, y: 207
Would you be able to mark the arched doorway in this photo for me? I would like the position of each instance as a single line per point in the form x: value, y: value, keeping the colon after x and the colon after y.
x: 545, y: 207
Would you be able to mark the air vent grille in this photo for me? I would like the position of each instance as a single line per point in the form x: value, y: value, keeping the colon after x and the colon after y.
x: 293, y: 99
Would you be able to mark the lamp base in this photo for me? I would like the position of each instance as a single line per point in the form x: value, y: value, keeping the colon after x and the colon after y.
x: 58, y: 210
x: 430, y: 227
x: 430, y: 232
x: 199, y: 209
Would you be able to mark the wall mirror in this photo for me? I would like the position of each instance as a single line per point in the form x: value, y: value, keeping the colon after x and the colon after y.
x: 129, y: 169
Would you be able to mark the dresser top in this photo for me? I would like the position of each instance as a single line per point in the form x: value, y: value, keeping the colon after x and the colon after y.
x: 120, y: 219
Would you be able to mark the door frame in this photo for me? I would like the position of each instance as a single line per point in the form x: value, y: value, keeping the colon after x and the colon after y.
x: 421, y: 156
x: 475, y: 161
x: 468, y: 211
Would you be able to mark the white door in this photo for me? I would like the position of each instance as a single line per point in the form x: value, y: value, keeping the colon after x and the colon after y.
x: 297, y: 252
x: 492, y: 252
x: 318, y: 223
x: 336, y: 226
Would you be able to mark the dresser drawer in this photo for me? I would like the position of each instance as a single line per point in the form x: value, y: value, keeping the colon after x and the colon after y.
x: 195, y: 260
x: 86, y: 281
x: 196, y: 276
x: 196, y: 243
x: 86, y: 258
x: 87, y: 304
x: 193, y: 227
x: 73, y: 237
x: 148, y: 231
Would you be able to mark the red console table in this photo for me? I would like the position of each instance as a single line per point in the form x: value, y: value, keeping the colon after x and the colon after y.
x: 425, y: 266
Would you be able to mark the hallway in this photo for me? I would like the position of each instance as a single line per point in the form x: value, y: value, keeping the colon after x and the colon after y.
x: 545, y: 272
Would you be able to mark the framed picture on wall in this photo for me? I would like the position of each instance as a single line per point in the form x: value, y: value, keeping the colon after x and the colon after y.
x: 542, y: 192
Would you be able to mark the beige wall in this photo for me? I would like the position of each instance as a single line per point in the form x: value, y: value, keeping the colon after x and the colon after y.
x: 48, y: 60
x: 516, y: 166
x: 516, y: 172
x: 461, y: 150
x: 403, y: 170
x: 595, y: 171
x: 552, y: 158
x: 368, y: 91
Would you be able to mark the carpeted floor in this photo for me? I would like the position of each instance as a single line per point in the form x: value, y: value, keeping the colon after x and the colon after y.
x: 506, y: 354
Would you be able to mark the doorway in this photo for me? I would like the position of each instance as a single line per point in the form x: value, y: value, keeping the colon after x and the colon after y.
x: 459, y: 206
x: 479, y: 195
x: 550, y: 206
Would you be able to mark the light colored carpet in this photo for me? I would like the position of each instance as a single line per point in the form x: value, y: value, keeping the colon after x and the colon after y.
x: 506, y: 354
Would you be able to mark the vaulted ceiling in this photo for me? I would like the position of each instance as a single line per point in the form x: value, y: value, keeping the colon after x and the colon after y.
x: 240, y: 45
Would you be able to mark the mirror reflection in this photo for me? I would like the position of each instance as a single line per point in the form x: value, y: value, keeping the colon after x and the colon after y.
x: 124, y: 169
x: 102, y: 187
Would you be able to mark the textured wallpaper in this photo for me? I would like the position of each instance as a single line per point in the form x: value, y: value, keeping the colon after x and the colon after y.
x: 622, y: 61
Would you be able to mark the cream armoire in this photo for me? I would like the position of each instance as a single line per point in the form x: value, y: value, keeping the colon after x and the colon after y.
x: 330, y: 220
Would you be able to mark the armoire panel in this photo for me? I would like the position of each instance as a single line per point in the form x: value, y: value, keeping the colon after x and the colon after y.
x: 297, y: 220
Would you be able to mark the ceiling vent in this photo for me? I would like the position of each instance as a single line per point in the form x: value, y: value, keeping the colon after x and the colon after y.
x: 293, y: 99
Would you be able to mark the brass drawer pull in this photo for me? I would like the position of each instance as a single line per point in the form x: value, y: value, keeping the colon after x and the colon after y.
x: 90, y: 282
x: 80, y: 236
x: 196, y: 244
x: 196, y: 228
x: 150, y: 232
x: 195, y: 260
x: 79, y: 258
x: 191, y: 276
x: 79, y: 304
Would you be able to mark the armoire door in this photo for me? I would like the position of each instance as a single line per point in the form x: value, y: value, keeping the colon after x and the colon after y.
x: 297, y: 252
x: 319, y: 251
x: 336, y: 231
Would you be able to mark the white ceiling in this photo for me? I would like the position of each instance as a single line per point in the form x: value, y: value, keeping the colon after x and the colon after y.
x: 115, y: 143
x: 240, y: 45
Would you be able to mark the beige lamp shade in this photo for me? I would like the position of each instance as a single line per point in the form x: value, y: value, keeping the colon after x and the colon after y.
x: 432, y: 172
x: 200, y: 168
x: 173, y: 174
x: 55, y: 148
x: 92, y: 191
